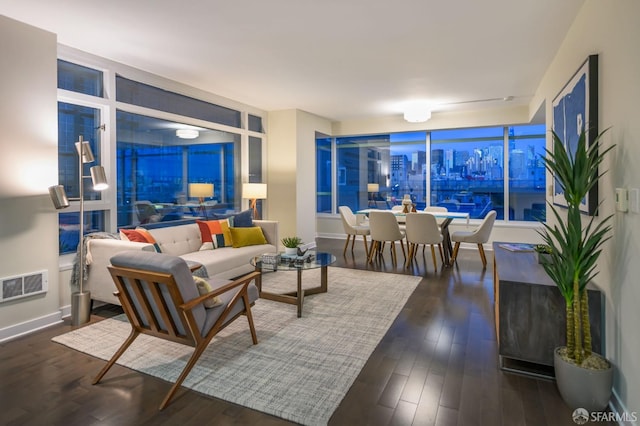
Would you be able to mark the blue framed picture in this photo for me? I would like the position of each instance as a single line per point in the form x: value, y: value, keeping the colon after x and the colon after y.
x: 575, y: 109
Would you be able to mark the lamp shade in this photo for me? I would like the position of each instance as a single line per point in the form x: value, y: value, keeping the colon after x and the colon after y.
x: 373, y: 187
x: 84, y: 150
x: 254, y: 191
x: 58, y: 197
x: 99, y: 178
x: 200, y: 190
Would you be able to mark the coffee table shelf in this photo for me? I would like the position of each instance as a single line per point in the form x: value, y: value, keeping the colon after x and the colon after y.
x: 296, y: 297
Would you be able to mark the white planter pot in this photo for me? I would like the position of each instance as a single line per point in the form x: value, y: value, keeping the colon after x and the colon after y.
x: 291, y: 250
x: 583, y: 387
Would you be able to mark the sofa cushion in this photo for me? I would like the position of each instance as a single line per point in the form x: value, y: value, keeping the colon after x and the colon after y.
x: 178, y: 240
x: 244, y: 219
x: 243, y: 237
x: 139, y: 236
x: 214, y: 234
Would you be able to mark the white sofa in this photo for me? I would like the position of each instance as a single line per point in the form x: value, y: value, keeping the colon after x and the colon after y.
x: 180, y: 240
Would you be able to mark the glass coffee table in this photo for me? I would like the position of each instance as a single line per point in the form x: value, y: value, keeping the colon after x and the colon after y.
x: 289, y: 264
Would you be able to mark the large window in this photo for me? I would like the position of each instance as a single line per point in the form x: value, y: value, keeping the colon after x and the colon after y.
x: 155, y: 167
x: 465, y: 170
x: 164, y: 142
x: 75, y: 121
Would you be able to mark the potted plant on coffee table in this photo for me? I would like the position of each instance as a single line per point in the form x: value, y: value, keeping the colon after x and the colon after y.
x: 291, y: 244
x: 584, y: 378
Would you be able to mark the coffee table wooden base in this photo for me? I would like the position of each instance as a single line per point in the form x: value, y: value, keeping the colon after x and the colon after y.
x: 294, y: 297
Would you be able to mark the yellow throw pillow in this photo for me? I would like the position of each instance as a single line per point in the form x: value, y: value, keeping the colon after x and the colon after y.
x: 252, y: 236
x: 203, y: 288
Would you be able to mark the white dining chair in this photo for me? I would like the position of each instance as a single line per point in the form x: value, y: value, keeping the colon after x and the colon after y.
x: 422, y: 228
x: 384, y: 227
x: 478, y: 236
x: 353, y: 229
x: 436, y: 209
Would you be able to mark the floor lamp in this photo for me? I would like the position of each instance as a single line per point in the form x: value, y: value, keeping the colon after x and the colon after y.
x: 81, y: 300
x: 254, y: 192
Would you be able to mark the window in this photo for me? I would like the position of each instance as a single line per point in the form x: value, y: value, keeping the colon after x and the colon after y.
x: 155, y: 167
x: 464, y: 170
x: 324, y: 170
x: 467, y: 170
x: 77, y: 78
x: 75, y: 121
x: 135, y: 93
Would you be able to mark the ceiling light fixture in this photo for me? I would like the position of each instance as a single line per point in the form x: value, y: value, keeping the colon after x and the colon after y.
x: 417, y: 114
x: 187, y: 133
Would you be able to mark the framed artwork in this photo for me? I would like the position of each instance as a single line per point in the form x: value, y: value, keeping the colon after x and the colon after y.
x: 576, y: 108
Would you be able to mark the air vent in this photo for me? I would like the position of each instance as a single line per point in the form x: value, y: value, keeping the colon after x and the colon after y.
x: 20, y: 286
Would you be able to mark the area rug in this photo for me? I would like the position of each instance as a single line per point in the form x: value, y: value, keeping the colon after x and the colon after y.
x: 301, y: 368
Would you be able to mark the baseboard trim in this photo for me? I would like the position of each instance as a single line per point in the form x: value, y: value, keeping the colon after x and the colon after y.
x: 626, y: 418
x: 27, y: 327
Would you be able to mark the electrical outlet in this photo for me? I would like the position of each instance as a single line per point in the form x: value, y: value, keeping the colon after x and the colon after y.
x: 622, y: 199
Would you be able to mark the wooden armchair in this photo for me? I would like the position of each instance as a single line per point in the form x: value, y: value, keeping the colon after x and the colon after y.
x: 160, y: 298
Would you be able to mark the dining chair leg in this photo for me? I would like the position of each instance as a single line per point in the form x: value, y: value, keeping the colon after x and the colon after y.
x: 374, y: 248
x: 394, y: 259
x: 407, y: 261
x: 433, y: 256
x: 455, y: 253
x: 482, y: 256
x: 441, y: 255
x: 344, y: 252
x: 366, y: 248
x: 403, y: 252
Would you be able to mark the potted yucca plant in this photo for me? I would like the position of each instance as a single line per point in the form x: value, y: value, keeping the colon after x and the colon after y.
x: 291, y: 244
x: 584, y: 378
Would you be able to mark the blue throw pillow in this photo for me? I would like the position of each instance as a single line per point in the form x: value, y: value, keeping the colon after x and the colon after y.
x: 244, y: 219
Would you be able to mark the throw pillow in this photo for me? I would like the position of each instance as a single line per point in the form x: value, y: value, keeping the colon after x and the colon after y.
x: 214, y: 234
x: 203, y: 288
x: 139, y: 235
x: 242, y: 237
x: 244, y: 219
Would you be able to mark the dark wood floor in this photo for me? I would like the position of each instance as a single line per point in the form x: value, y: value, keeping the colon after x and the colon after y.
x: 437, y: 365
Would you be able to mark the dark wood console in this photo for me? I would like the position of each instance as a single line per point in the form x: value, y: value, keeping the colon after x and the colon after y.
x: 530, y: 313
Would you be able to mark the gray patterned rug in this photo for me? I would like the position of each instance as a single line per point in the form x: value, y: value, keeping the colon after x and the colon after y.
x: 301, y: 368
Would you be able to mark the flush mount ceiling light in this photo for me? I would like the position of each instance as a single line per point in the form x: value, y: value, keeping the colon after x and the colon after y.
x: 417, y: 114
x: 187, y: 133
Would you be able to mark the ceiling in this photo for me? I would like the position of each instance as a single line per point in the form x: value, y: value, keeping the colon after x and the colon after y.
x: 339, y: 59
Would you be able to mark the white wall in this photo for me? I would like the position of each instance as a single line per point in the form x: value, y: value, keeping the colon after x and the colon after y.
x: 291, y: 172
x: 610, y: 29
x: 28, y: 165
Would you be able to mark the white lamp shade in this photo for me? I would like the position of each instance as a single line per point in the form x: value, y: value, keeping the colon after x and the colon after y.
x: 373, y: 187
x: 254, y: 191
x: 201, y: 190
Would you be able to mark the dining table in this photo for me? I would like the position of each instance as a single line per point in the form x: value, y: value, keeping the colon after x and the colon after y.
x: 443, y: 219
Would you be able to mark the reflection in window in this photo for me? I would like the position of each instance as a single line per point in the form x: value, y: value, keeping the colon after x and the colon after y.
x: 155, y: 168
x: 465, y: 168
x: 69, y: 226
